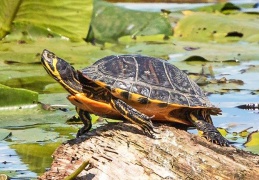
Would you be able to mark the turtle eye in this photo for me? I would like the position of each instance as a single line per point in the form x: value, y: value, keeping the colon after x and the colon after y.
x: 51, y: 55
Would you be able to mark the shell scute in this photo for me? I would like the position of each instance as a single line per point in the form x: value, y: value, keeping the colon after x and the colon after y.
x: 141, y: 89
x: 149, y: 77
x: 179, y: 99
x: 122, y: 85
x: 151, y: 70
x: 160, y: 94
x: 118, y: 67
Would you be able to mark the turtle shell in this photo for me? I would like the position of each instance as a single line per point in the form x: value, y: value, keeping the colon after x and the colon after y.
x: 150, y: 78
x: 153, y: 86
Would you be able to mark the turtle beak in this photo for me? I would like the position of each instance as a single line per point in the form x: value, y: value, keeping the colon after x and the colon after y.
x: 49, y: 62
x: 47, y: 56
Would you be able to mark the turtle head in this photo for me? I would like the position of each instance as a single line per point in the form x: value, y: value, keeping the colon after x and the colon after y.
x: 61, y: 71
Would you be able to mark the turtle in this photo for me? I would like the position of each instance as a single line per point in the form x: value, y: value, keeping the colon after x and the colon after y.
x: 137, y: 88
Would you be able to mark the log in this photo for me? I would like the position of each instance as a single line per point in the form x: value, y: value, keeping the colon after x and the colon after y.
x: 122, y: 151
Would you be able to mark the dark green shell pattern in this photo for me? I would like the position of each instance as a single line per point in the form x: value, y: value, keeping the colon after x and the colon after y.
x: 151, y: 77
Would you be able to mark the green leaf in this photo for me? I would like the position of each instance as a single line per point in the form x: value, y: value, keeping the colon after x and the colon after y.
x: 32, y: 18
x: 8, y: 11
x: 252, y: 143
x: 16, y: 96
x: 109, y: 22
x: 217, y: 27
x: 223, y: 131
x: 27, y: 117
x: 25, y: 135
x: 4, y: 134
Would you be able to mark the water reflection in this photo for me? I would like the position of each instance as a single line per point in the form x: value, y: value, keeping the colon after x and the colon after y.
x: 12, y: 165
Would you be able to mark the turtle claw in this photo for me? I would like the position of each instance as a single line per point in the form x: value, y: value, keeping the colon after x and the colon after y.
x: 150, y: 133
x: 217, y: 138
x: 78, y: 134
x: 211, y: 133
x: 149, y: 129
x: 81, y: 131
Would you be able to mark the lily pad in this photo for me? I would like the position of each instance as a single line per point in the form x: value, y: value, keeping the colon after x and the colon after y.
x: 252, y: 143
x: 198, y: 26
x: 39, y: 135
x: 109, y: 22
x: 16, y: 96
x: 4, y: 134
x: 30, y: 116
x: 30, y: 19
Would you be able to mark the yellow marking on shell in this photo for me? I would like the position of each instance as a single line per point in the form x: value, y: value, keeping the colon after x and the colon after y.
x: 117, y: 93
x: 100, y: 83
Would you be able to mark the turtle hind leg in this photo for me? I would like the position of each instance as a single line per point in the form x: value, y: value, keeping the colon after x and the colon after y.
x: 134, y: 116
x: 209, y: 131
x: 86, y: 118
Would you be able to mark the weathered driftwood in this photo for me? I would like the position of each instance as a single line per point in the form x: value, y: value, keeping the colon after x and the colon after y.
x: 121, y: 151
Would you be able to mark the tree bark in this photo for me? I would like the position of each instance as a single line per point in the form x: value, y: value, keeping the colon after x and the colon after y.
x: 122, y: 151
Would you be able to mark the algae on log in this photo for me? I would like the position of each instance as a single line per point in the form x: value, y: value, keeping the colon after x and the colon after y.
x: 121, y: 151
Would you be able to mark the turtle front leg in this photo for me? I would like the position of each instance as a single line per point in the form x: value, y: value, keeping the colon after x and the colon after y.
x: 134, y: 116
x: 209, y: 131
x: 87, y: 120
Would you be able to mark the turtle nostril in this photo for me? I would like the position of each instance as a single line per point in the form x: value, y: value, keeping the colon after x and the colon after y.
x: 47, y: 56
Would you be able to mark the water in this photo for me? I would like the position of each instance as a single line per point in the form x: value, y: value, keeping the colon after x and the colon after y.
x: 156, y: 7
x: 12, y: 164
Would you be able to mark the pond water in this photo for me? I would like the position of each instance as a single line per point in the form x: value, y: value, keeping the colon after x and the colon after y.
x: 11, y: 163
x: 156, y: 7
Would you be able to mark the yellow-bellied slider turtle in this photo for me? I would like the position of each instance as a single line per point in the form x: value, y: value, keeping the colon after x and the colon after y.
x: 137, y: 88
